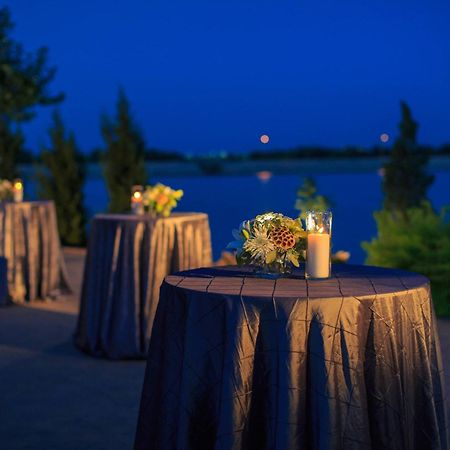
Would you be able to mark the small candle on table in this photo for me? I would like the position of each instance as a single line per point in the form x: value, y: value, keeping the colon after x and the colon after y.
x: 318, y: 255
x: 18, y: 190
x: 136, y: 202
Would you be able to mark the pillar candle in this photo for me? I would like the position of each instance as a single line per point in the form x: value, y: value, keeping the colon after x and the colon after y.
x: 318, y: 255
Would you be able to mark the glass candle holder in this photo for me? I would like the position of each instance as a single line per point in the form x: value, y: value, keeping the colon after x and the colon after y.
x: 318, y: 252
x: 18, y: 190
x: 137, y: 197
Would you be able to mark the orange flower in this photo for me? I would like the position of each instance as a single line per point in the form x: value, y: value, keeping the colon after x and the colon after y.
x: 162, y: 199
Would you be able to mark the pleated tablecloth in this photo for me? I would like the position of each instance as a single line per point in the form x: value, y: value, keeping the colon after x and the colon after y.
x: 237, y: 362
x: 29, y: 241
x: 4, y: 298
x: 127, y: 260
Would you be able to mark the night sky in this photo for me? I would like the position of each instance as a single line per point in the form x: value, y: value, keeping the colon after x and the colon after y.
x: 215, y: 75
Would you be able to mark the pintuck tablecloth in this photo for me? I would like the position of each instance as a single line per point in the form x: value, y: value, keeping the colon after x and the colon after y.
x: 3, y: 281
x: 29, y: 241
x: 237, y: 362
x: 127, y: 260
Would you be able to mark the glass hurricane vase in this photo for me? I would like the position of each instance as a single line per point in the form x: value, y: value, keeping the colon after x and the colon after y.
x: 279, y: 268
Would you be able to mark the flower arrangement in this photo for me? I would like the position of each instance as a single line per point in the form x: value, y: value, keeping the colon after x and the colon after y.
x: 272, y: 242
x: 159, y: 199
x: 6, y: 190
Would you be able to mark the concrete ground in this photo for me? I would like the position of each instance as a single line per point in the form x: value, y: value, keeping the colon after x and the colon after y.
x: 52, y: 397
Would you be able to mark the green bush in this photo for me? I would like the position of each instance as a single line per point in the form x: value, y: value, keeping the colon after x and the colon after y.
x: 418, y: 241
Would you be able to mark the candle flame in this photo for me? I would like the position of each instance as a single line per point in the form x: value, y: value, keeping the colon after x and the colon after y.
x: 320, y: 230
x: 137, y: 195
x: 18, y: 185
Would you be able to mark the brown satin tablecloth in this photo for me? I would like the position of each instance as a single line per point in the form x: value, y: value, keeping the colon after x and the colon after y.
x: 29, y: 241
x: 127, y: 260
x: 236, y: 362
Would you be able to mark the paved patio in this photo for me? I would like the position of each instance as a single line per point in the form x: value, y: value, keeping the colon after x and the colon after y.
x: 53, y: 397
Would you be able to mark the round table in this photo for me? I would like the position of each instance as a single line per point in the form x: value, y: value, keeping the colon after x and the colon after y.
x: 4, y: 298
x: 238, y: 362
x: 127, y: 260
x: 29, y: 241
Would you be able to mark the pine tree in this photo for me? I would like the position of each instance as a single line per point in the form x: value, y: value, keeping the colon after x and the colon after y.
x: 63, y: 182
x: 24, y: 81
x: 11, y: 144
x: 406, y: 181
x: 411, y: 235
x: 124, y: 157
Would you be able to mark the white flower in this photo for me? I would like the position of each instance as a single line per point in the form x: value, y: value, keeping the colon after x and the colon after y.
x: 259, y: 244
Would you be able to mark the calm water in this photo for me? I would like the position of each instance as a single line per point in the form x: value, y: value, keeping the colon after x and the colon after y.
x: 230, y: 199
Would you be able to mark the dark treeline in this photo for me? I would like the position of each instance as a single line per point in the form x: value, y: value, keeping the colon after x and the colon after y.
x: 152, y: 154
x: 346, y: 152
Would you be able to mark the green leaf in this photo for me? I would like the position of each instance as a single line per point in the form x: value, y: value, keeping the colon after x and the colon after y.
x: 293, y: 259
x: 271, y: 257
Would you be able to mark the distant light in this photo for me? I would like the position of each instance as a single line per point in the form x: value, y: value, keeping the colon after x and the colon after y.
x: 384, y: 138
x: 264, y: 139
x: 264, y: 175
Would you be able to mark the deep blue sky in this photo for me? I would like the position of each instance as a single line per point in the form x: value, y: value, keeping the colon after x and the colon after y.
x: 212, y: 75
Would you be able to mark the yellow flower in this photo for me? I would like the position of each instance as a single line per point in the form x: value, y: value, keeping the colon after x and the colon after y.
x: 161, y: 199
x: 178, y: 194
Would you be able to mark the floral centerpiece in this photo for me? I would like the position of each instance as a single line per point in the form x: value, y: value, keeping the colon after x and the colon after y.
x: 272, y: 242
x: 6, y: 190
x: 159, y: 199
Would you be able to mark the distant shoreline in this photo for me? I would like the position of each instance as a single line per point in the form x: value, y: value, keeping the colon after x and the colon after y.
x: 299, y: 166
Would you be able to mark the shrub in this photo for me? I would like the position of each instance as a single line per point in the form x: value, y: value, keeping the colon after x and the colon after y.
x: 420, y: 242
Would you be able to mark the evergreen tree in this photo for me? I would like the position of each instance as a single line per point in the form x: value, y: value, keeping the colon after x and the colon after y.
x: 24, y: 81
x: 11, y: 144
x: 405, y: 181
x: 411, y: 235
x: 124, y: 158
x: 63, y: 182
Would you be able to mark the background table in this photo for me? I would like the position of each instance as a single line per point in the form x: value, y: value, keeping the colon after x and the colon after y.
x: 237, y: 362
x: 29, y: 241
x: 128, y: 258
x: 3, y: 281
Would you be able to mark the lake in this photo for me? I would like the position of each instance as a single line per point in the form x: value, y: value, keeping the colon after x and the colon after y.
x: 229, y: 199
